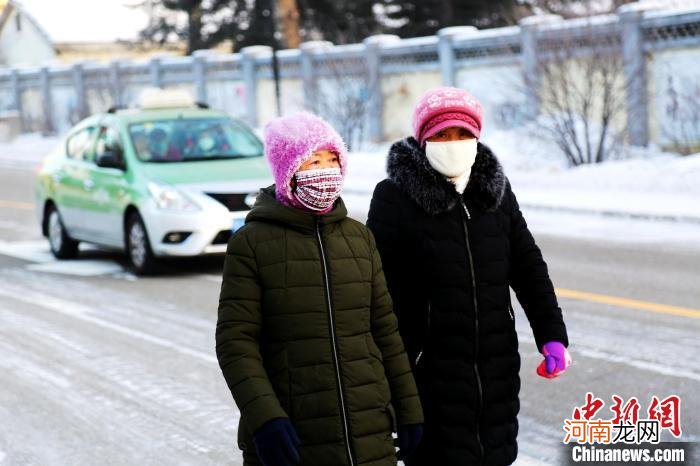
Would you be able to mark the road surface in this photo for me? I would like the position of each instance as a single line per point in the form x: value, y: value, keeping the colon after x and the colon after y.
x: 99, y: 366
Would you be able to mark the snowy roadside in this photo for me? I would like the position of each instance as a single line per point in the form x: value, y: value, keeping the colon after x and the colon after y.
x: 26, y: 151
x: 648, y: 185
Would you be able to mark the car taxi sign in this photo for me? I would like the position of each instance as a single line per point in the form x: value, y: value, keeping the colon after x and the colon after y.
x: 154, y: 98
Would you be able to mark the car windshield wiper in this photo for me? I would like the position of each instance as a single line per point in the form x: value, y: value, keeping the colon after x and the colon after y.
x: 161, y: 160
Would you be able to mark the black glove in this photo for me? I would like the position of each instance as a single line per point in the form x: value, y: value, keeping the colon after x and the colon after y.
x: 276, y: 443
x: 409, y: 439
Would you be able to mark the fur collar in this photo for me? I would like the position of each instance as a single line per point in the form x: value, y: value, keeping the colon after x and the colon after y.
x: 409, y: 169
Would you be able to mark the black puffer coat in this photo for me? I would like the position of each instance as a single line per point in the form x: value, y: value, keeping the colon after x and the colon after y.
x: 449, y: 261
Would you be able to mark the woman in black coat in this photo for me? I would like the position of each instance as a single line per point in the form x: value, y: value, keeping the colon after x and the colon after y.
x: 452, y: 240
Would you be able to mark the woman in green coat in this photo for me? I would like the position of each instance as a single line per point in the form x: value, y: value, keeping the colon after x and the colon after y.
x: 306, y: 336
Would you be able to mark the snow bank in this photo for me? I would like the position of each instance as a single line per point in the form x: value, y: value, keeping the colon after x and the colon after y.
x: 661, y: 187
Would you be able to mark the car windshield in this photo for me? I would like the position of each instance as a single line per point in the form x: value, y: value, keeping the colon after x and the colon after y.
x: 188, y: 140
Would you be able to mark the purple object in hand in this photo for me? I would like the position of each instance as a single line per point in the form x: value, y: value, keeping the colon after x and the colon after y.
x: 556, y: 360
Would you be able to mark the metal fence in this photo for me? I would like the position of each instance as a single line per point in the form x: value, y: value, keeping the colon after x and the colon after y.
x: 368, y: 89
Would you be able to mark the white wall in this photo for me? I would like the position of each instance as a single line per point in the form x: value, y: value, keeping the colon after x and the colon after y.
x: 26, y: 46
x: 500, y: 89
x: 401, y: 92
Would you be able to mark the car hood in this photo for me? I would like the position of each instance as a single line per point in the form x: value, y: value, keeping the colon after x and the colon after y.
x: 212, y: 176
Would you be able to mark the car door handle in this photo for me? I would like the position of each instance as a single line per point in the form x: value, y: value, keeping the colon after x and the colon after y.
x: 88, y: 185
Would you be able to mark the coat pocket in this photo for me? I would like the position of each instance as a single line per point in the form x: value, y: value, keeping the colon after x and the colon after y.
x: 279, y: 373
x: 377, y: 362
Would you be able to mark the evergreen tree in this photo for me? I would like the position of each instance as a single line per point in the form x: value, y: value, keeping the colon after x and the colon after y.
x: 412, y: 18
x: 339, y: 22
x: 207, y: 24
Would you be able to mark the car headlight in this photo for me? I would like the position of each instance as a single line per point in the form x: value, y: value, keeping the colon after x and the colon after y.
x: 169, y: 198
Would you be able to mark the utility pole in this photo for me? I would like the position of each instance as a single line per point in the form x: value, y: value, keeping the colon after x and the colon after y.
x: 270, y: 30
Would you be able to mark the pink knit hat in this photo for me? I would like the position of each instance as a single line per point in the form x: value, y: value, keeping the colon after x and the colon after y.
x: 291, y: 140
x: 443, y: 107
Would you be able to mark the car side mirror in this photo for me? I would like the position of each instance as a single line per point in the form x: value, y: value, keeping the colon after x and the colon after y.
x: 111, y: 159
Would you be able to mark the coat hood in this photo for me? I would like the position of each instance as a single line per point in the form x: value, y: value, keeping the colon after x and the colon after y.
x: 269, y: 209
x: 409, y: 169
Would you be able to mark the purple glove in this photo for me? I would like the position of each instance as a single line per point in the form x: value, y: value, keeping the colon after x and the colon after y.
x: 556, y: 360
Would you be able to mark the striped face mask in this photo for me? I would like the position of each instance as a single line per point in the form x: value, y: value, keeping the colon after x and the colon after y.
x: 317, y: 190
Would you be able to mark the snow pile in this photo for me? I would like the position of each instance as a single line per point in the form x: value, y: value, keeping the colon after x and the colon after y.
x: 641, y: 182
x: 660, y: 187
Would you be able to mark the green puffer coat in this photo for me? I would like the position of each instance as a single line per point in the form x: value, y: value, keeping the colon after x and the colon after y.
x: 306, y: 330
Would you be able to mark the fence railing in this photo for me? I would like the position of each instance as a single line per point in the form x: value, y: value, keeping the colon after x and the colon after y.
x: 53, y: 97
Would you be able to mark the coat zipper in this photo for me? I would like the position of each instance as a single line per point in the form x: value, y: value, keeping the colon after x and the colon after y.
x: 334, y: 345
x: 476, y: 329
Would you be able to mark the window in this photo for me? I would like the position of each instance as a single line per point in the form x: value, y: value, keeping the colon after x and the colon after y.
x: 190, y: 140
x: 18, y: 22
x: 107, y: 141
x: 78, y: 145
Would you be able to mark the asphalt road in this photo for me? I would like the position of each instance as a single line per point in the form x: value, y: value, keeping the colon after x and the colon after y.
x: 100, y: 367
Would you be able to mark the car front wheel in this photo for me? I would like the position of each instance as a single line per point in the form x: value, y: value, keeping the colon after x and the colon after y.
x: 141, y: 258
x: 62, y: 245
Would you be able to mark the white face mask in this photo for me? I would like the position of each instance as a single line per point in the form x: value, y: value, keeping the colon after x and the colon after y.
x: 452, y: 158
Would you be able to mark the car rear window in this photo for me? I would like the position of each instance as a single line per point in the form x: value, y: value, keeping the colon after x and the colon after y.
x: 188, y: 140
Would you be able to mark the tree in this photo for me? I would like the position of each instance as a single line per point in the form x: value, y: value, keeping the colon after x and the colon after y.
x: 574, y: 8
x: 344, y: 97
x: 203, y: 24
x: 411, y: 18
x: 582, y: 89
x: 207, y: 23
x: 339, y: 22
x: 288, y: 18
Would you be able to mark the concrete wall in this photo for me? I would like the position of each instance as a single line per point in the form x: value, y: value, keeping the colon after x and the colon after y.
x: 401, y: 91
x: 674, y: 103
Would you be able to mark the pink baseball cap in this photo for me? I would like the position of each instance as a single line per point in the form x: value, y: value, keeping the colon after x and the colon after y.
x: 443, y: 107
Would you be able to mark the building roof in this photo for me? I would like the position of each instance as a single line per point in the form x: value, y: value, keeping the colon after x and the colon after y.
x: 6, y: 8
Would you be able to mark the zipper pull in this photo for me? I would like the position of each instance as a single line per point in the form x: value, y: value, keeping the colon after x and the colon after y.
x: 418, y: 358
x: 466, y: 210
